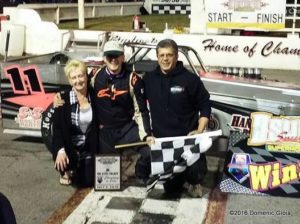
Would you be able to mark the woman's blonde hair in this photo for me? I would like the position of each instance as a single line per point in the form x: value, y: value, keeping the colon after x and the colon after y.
x: 74, y: 64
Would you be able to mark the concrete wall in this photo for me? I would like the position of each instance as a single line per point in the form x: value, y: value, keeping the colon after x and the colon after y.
x: 58, y: 12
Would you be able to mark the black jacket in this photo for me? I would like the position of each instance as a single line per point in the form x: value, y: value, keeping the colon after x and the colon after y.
x: 175, y: 100
x: 63, y: 129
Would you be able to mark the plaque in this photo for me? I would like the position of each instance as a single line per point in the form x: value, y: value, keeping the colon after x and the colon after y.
x: 107, y: 172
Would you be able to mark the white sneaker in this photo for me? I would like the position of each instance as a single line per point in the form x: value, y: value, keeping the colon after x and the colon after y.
x: 195, y: 191
x: 66, y: 179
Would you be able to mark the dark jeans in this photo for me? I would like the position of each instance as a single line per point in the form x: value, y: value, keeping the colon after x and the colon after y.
x: 109, y: 138
x: 85, y: 170
x: 7, y: 215
x: 83, y: 165
x: 193, y: 175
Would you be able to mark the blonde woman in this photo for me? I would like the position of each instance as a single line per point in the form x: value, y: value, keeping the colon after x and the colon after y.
x: 74, y: 131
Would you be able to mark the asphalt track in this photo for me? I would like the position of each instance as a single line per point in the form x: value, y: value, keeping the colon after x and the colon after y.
x: 28, y: 179
x: 30, y: 182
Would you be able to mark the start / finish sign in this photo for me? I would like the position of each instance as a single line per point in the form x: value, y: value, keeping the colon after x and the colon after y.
x: 264, y: 14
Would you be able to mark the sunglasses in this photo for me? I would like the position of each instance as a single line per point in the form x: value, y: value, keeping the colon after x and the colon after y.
x: 112, y: 56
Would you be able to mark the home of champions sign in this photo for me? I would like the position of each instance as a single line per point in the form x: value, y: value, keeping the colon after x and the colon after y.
x: 266, y: 160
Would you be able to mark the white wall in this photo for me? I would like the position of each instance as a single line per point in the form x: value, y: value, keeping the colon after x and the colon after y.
x: 197, y: 18
x: 59, y: 12
x: 40, y: 37
x: 16, y: 39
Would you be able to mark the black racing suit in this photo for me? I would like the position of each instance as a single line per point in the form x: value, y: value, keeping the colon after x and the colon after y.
x: 122, y: 114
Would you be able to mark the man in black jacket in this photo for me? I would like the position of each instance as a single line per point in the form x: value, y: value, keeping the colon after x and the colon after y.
x: 179, y: 105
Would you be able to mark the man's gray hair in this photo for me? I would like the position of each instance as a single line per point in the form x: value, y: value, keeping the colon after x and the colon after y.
x: 167, y: 43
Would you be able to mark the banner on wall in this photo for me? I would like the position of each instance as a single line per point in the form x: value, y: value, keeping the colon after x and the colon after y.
x: 228, y: 51
x: 264, y: 14
x: 263, y: 160
x: 168, y: 6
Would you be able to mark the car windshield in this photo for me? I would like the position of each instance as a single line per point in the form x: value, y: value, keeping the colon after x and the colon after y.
x: 144, y: 59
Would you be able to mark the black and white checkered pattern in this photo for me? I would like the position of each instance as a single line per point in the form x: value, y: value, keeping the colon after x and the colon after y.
x: 231, y: 186
x: 166, y: 156
x: 238, y: 144
x: 236, y: 137
x: 167, y: 159
x: 134, y: 205
x: 171, y: 9
x: 170, y: 156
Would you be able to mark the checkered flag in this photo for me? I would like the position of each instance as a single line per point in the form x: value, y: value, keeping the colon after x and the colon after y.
x: 170, y: 156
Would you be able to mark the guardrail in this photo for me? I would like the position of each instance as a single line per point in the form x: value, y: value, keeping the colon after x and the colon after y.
x: 59, y: 12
